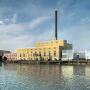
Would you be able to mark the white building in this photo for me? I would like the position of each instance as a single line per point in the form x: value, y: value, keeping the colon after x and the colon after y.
x: 67, y: 55
x: 76, y: 55
x: 79, y: 55
x: 87, y: 54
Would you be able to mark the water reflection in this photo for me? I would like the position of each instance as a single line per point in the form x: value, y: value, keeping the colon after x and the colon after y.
x: 39, y: 71
x: 0, y: 64
x: 44, y: 77
x: 67, y: 71
x: 79, y: 70
x: 87, y: 71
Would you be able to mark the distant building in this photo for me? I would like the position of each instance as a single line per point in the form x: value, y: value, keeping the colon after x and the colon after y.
x: 79, y: 55
x: 51, y: 50
x: 2, y: 52
x: 87, y: 54
x: 67, y: 55
x: 10, y: 56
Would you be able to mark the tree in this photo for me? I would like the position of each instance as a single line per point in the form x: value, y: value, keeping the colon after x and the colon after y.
x: 4, y: 58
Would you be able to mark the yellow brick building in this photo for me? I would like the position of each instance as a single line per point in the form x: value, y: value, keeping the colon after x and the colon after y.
x: 51, y: 50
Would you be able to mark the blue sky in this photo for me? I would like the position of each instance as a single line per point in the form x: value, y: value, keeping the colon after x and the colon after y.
x: 24, y: 22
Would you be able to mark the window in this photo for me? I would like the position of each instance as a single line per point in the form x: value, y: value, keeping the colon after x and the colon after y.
x: 55, y: 53
x: 20, y: 54
x: 44, y: 53
x: 54, y: 48
x: 49, y: 53
x: 23, y: 55
x: 35, y: 54
x: 39, y: 53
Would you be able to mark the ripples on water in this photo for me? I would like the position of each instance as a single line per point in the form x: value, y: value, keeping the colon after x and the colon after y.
x: 44, y: 77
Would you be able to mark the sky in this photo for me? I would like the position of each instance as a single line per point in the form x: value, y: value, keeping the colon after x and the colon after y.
x: 24, y: 22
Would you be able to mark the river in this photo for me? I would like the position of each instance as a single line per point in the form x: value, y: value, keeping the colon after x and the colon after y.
x: 44, y: 77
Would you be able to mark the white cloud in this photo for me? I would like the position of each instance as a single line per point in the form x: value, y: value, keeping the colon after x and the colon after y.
x: 14, y: 18
x: 12, y: 27
x: 8, y: 21
x: 11, y: 43
x: 11, y: 36
x: 37, y: 22
x: 1, y: 22
x: 78, y: 36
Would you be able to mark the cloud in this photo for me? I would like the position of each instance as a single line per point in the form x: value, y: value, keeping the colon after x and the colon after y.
x: 11, y: 28
x: 78, y: 36
x: 19, y: 29
x: 1, y: 22
x: 14, y: 18
x: 11, y: 43
x: 37, y: 22
x: 11, y: 20
x: 13, y: 35
x: 85, y: 20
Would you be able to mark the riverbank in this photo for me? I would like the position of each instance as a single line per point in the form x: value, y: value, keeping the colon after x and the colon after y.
x: 50, y: 62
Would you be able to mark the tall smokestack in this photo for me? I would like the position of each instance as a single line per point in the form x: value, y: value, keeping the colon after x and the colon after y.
x: 56, y: 18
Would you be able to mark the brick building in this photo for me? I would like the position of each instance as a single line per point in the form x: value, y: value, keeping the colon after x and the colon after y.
x: 10, y: 56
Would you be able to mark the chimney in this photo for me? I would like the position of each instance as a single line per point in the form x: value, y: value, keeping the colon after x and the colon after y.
x: 56, y: 17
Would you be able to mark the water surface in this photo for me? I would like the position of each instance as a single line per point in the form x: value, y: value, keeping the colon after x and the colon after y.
x: 44, y: 77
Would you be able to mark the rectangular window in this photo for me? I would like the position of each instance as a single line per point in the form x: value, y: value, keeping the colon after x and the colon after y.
x: 23, y: 55
x: 44, y: 53
x: 20, y: 54
x: 55, y: 53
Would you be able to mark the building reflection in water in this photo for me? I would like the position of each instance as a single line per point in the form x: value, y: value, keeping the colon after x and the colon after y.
x: 10, y: 66
x: 48, y: 71
x: 87, y: 71
x: 39, y: 71
x: 48, y: 77
x: 79, y: 70
x: 51, y: 75
x: 67, y: 71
